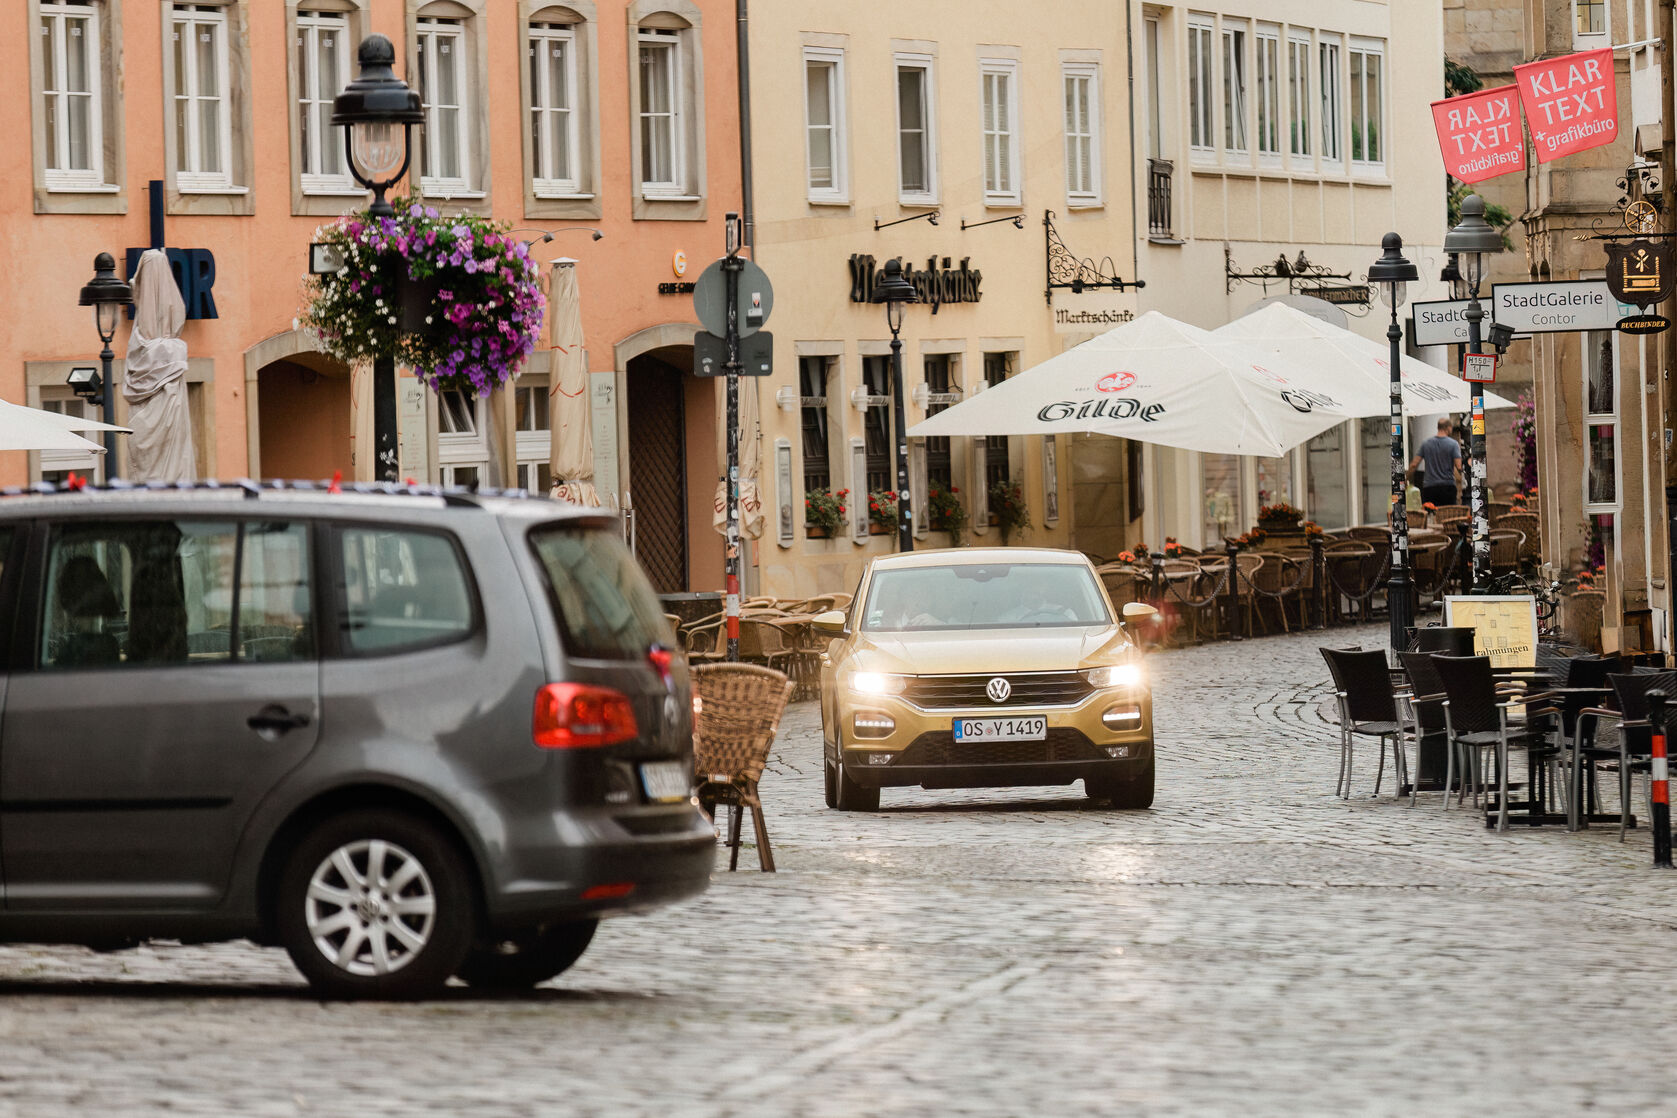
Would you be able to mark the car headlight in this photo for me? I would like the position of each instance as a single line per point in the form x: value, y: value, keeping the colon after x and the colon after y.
x: 1118, y: 675
x: 877, y: 683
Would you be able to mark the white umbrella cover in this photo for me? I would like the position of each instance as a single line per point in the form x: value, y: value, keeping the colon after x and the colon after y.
x: 1333, y: 353
x: 1155, y: 380
x: 569, y: 413
x: 154, y: 377
x: 24, y: 428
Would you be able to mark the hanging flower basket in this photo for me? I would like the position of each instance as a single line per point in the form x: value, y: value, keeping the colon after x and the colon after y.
x: 456, y: 298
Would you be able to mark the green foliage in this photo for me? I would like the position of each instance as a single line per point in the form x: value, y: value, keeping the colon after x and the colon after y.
x: 1459, y: 79
x: 945, y: 513
x: 825, y: 509
x: 1007, y: 502
x: 1497, y: 215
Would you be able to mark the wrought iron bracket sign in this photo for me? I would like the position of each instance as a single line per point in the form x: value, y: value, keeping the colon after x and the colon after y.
x: 1639, y: 271
x: 1069, y: 272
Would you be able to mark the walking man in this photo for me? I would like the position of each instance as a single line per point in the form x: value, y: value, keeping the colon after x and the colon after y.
x: 1442, y: 457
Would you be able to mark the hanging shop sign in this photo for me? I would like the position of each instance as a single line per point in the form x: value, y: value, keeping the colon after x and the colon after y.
x: 1479, y: 133
x: 1639, y: 271
x: 1349, y: 295
x: 1644, y: 324
x: 936, y: 284
x: 1556, y: 307
x: 1095, y: 310
x: 1571, y: 103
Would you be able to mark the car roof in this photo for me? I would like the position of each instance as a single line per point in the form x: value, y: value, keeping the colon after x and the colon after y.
x: 972, y: 556
x: 296, y: 498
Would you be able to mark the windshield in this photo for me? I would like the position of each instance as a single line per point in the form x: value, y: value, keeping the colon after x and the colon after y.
x: 983, y: 596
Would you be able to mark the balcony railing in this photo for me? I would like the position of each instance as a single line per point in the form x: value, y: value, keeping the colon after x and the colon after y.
x: 1158, y: 197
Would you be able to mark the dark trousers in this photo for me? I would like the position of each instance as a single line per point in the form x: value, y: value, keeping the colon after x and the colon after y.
x: 1438, y: 494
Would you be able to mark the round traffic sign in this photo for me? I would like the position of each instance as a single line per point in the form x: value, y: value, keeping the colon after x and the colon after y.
x: 755, y: 301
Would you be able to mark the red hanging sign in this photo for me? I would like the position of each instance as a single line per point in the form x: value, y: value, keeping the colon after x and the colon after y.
x: 1479, y: 133
x: 1571, y: 103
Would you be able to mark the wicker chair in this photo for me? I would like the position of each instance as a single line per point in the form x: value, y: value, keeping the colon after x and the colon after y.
x: 1494, y: 509
x: 1121, y: 582
x: 739, y: 713
x: 1526, y: 524
x: 1417, y: 518
x: 1505, y: 551
x: 1441, y: 513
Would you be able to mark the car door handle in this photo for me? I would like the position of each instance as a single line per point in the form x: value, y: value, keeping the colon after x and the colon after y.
x: 276, y: 720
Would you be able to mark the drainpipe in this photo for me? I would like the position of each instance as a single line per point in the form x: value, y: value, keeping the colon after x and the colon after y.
x: 748, y: 212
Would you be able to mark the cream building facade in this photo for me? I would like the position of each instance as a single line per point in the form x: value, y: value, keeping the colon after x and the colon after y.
x: 1267, y: 130
x: 869, y: 121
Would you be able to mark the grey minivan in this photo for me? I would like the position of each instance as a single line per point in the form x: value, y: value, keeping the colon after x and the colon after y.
x: 406, y: 734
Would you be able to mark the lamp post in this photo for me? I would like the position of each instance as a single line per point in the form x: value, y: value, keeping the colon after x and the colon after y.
x: 894, y: 291
x: 1471, y: 240
x: 369, y: 110
x: 107, y: 295
x: 1393, y: 273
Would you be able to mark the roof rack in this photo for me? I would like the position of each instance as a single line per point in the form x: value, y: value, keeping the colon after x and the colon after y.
x: 459, y: 496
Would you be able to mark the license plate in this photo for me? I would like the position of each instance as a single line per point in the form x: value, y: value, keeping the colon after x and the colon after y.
x: 665, y: 780
x: 1001, y: 729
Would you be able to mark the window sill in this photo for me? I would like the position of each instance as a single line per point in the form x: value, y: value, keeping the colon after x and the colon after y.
x: 1003, y: 202
x: 1157, y: 239
x: 99, y: 188
x: 231, y: 191
x: 917, y: 201
x: 645, y: 197
x: 1085, y: 204
x: 828, y: 200
x: 334, y: 192
x: 561, y: 196
x: 434, y: 194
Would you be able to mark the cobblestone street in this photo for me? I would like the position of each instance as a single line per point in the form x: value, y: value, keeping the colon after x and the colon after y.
x: 1250, y: 945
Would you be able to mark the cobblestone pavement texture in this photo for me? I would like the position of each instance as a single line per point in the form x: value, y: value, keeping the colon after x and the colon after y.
x: 1252, y: 945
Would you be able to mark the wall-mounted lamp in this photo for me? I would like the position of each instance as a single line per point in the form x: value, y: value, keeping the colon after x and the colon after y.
x: 787, y: 397
x: 547, y: 234
x: 861, y: 401
x: 929, y: 215
x: 1018, y: 222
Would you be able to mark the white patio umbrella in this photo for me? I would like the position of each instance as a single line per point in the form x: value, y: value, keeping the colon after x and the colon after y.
x: 1360, y: 367
x: 24, y: 428
x: 1155, y: 380
x: 569, y: 412
x: 154, y: 377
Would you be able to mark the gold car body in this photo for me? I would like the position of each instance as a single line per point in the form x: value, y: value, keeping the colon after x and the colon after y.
x: 1103, y: 734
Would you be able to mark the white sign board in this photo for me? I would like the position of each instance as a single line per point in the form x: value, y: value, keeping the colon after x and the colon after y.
x: 1094, y: 311
x: 602, y: 415
x: 1441, y: 323
x: 1550, y: 308
x: 1479, y: 368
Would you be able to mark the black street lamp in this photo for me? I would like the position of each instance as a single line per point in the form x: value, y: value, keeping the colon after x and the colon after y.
x: 1471, y: 241
x: 1393, y: 274
x: 370, y: 109
x: 107, y: 294
x: 894, y: 292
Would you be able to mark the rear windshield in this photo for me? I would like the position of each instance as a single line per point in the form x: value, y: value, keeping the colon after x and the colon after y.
x: 984, y: 596
x: 605, y: 608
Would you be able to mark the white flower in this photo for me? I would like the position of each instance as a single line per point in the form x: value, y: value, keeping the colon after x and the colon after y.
x: 392, y: 320
x: 427, y: 320
x: 378, y: 302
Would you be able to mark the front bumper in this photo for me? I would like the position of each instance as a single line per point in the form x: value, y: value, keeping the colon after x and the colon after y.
x: 921, y: 750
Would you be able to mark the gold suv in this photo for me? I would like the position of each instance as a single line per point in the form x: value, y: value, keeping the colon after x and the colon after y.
x: 983, y: 668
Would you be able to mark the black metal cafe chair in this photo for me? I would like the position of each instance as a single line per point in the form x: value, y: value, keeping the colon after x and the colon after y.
x: 1481, y: 719
x: 1368, y: 707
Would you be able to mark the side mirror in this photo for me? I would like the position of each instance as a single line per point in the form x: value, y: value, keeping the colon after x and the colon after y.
x: 831, y: 622
x: 1139, y: 611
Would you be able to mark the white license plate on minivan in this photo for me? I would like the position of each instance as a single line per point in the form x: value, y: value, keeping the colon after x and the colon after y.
x: 665, y: 780
x: 1001, y: 729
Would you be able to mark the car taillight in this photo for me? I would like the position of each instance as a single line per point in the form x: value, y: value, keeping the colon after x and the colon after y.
x: 580, y: 716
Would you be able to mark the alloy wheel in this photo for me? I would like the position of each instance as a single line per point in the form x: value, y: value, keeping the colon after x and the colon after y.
x: 370, y: 908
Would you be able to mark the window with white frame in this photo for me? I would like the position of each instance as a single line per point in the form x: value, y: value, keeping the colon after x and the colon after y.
x: 1155, y: 89
x: 72, y: 91
x: 1589, y: 23
x: 999, y: 101
x: 1366, y: 66
x: 555, y: 132
x: 1329, y: 80
x: 57, y: 465
x: 824, y: 125
x: 916, y: 131
x: 1298, y: 96
x: 445, y: 149
x: 1601, y: 417
x: 203, y: 125
x: 661, y: 141
x: 1234, y: 87
x: 813, y: 373
x: 323, y: 55
x: 1083, y: 146
x: 462, y: 442
x: 1200, y: 134
x: 533, y: 438
x: 1268, y: 60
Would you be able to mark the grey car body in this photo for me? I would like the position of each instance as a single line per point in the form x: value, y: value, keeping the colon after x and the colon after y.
x: 162, y: 800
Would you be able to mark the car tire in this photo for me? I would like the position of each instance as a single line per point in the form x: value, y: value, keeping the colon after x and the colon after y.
x: 847, y: 794
x: 829, y: 784
x: 349, y: 936
x: 528, y: 958
x: 1130, y: 794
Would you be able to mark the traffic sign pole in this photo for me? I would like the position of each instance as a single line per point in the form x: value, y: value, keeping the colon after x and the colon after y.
x: 732, y: 266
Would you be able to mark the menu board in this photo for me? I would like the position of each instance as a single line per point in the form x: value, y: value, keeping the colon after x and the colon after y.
x: 1504, y: 626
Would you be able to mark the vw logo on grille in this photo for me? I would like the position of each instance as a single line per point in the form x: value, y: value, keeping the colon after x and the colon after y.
x: 998, y: 689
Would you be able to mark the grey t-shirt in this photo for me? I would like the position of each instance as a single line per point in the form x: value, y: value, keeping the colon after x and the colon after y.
x: 1439, y: 456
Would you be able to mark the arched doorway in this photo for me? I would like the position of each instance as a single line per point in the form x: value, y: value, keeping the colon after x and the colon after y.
x: 656, y: 411
x: 304, y: 418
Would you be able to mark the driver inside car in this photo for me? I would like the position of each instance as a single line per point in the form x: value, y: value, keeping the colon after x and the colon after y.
x: 1039, y: 604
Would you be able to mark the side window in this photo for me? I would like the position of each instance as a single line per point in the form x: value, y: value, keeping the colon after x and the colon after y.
x: 401, y: 589
x: 138, y: 593
x: 276, y: 614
